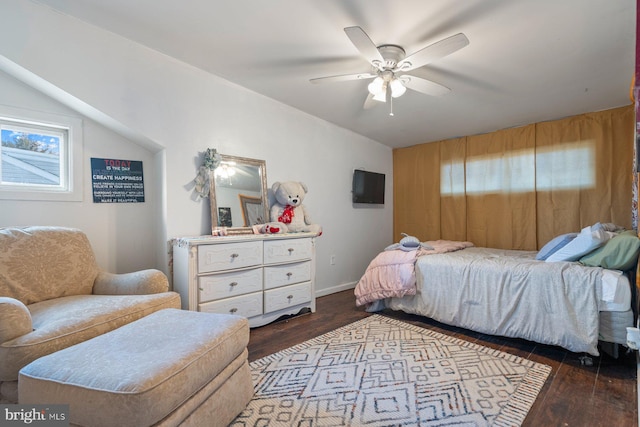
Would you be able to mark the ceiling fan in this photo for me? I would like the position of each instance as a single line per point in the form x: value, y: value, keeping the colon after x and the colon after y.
x: 390, y: 64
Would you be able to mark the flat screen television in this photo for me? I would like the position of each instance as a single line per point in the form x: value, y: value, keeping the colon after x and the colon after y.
x: 368, y: 187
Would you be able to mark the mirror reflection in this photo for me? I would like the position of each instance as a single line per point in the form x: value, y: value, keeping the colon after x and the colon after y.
x: 238, y: 194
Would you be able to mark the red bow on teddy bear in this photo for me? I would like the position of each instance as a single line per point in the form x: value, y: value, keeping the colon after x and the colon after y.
x: 287, y: 215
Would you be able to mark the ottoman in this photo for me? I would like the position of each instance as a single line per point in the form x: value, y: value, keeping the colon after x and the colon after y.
x: 172, y: 367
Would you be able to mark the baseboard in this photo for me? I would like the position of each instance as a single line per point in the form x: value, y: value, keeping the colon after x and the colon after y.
x: 334, y: 289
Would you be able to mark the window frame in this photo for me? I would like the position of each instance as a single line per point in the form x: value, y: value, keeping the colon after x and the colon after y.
x: 71, y: 176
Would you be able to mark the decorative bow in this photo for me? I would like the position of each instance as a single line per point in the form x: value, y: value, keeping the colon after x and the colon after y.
x: 287, y: 215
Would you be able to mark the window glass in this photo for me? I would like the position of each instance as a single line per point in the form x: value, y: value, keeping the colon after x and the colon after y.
x: 32, y: 157
x: 40, y: 160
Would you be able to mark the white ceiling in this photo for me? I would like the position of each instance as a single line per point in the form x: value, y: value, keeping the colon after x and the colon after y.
x: 527, y: 61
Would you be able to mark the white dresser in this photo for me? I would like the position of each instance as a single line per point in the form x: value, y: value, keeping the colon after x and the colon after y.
x: 261, y: 277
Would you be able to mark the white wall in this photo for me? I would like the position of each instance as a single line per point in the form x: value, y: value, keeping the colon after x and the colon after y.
x: 178, y: 111
x: 119, y: 233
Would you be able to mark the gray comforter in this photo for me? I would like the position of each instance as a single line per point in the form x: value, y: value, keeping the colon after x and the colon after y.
x: 509, y: 293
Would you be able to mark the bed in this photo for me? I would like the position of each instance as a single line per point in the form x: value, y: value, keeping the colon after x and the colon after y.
x: 506, y: 292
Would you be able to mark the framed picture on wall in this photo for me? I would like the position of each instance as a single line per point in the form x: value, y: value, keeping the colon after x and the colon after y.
x: 224, y: 217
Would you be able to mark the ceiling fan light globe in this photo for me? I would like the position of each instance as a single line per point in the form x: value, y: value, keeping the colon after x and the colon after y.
x: 397, y: 88
x: 376, y: 86
x: 225, y: 171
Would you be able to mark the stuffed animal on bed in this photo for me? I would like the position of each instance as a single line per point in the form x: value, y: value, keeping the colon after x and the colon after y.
x: 408, y: 243
x: 288, y: 208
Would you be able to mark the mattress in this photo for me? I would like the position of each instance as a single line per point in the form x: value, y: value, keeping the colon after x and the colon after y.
x: 616, y: 291
x: 615, y: 307
x: 613, y: 326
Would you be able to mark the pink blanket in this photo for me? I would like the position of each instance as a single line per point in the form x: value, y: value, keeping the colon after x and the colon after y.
x: 392, y: 273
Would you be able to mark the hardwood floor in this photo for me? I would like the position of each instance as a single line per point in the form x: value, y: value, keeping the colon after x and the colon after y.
x: 604, y: 394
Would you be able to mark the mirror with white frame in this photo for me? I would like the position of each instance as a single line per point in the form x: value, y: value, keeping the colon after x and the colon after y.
x: 238, y: 194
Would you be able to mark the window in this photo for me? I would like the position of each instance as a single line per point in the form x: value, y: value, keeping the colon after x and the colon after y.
x: 563, y: 166
x: 40, y: 156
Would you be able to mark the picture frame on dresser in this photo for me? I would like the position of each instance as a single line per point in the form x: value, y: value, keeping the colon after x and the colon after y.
x: 252, y: 210
x: 224, y: 217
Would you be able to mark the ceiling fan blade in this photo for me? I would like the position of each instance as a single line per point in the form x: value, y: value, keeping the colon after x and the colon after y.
x: 424, y: 86
x: 343, y: 77
x: 363, y: 43
x: 369, y: 102
x: 433, y: 52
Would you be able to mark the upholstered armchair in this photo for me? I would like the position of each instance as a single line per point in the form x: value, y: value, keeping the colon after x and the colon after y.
x: 53, y: 295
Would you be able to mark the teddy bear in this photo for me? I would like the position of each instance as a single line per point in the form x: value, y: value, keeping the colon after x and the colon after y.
x: 288, y: 208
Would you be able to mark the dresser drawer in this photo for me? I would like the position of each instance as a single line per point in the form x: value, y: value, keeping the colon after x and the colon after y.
x: 244, y: 305
x: 287, y: 296
x: 228, y: 256
x: 276, y: 251
x: 286, y: 274
x: 224, y: 285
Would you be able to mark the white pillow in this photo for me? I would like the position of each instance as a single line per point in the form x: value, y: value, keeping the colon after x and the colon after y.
x: 589, y: 239
x: 554, y: 245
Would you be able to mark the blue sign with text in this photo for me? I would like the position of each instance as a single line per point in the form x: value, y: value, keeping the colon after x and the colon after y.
x: 117, y: 181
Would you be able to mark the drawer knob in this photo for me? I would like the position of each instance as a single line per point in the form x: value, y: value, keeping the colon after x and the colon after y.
x: 234, y: 255
x: 290, y: 250
x: 233, y: 310
x: 290, y: 297
x: 289, y: 274
x: 232, y: 284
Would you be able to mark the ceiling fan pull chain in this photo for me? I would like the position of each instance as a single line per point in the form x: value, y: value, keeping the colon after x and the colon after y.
x: 391, y: 106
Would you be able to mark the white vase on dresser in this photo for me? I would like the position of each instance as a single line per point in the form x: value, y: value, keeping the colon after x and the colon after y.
x: 261, y: 277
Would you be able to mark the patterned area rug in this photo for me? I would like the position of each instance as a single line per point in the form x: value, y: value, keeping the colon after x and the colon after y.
x: 383, y: 372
